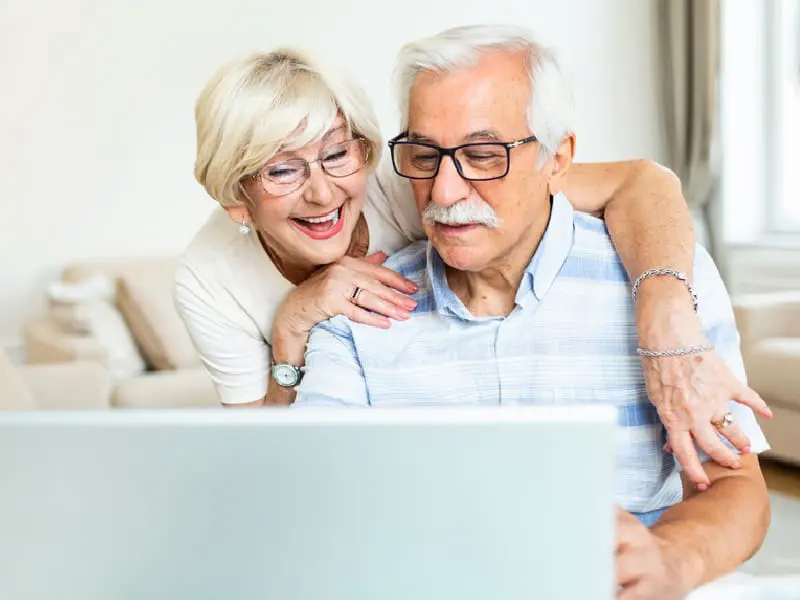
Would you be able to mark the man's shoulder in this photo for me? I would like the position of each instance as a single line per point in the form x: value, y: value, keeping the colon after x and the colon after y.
x: 591, y: 233
x: 593, y: 257
x: 410, y: 261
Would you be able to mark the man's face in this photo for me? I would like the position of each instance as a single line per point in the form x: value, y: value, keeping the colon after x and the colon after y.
x: 484, y: 103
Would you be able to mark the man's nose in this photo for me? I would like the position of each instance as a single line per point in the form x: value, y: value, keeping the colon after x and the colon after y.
x: 318, y: 189
x: 448, y: 186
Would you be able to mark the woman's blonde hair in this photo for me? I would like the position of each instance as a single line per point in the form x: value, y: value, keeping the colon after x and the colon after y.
x: 259, y: 105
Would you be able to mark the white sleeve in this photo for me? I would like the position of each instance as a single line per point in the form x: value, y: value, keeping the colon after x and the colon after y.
x: 236, y: 357
x: 391, y: 193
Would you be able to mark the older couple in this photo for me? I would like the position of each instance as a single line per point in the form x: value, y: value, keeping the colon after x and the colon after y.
x: 514, y: 298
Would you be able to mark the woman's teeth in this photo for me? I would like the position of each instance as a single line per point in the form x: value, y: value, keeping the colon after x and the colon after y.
x: 333, y: 217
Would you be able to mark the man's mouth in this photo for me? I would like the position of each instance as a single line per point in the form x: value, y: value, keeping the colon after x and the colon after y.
x: 456, y: 228
x: 321, y: 227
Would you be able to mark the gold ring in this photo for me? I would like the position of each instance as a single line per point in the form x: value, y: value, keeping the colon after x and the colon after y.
x: 356, y: 294
x: 724, y: 422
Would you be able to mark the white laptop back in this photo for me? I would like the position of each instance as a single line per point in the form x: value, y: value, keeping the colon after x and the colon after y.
x: 439, y: 504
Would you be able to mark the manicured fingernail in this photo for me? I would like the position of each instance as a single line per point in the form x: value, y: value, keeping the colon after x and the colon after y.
x: 746, y: 450
x: 702, y: 487
x: 413, y: 287
x: 769, y: 413
x: 403, y: 315
x: 410, y: 303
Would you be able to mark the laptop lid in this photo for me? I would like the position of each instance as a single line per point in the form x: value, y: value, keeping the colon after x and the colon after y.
x: 388, y: 504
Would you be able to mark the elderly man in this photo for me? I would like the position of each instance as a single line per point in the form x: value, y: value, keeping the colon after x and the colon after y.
x: 521, y: 300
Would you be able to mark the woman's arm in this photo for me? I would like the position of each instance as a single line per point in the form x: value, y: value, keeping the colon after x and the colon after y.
x: 236, y: 358
x: 644, y: 209
x: 651, y: 227
x: 358, y: 288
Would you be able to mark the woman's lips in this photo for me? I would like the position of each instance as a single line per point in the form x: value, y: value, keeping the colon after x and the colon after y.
x: 324, y: 230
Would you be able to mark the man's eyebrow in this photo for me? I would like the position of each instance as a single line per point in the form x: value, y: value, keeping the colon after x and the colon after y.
x: 480, y: 135
x: 418, y: 137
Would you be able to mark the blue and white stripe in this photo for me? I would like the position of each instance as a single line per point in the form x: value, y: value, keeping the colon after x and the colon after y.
x: 570, y: 340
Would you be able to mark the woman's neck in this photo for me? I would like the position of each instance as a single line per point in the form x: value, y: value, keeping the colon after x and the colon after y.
x: 297, y: 272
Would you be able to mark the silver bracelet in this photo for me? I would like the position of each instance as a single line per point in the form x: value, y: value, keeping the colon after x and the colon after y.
x: 676, y: 352
x: 661, y: 272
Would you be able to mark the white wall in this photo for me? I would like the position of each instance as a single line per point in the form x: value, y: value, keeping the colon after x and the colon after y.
x: 96, y: 125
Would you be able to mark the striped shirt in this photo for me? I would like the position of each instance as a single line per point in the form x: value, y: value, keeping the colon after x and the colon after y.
x: 570, y: 340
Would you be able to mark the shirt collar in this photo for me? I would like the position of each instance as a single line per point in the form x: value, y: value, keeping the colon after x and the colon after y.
x: 539, y: 275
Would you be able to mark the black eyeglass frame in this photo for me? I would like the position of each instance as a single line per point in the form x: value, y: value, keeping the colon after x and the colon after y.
x: 451, y: 152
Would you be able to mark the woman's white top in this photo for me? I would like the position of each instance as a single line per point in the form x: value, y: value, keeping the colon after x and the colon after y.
x: 227, y: 290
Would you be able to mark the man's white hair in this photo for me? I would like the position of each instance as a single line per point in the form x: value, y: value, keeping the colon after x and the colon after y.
x: 550, y: 110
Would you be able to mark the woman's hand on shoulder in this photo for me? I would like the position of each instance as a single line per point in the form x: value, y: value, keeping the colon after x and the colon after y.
x: 361, y: 289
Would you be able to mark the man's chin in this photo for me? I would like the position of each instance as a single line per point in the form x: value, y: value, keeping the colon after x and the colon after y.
x: 461, y: 258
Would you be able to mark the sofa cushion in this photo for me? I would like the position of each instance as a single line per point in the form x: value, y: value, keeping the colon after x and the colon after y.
x: 14, y: 394
x: 773, y: 370
x: 86, y: 308
x: 145, y: 298
x: 188, y: 388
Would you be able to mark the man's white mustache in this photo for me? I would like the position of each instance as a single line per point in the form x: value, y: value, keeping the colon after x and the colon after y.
x: 466, y: 212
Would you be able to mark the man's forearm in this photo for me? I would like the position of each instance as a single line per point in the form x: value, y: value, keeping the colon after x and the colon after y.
x: 713, y: 532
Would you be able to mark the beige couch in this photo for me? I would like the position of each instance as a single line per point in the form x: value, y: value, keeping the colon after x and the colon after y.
x: 769, y: 325
x: 134, y: 332
x: 78, y: 385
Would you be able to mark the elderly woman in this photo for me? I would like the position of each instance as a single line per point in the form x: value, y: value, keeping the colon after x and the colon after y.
x: 291, y: 152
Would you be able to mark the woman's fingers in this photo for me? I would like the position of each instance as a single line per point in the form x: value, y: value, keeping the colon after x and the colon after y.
x: 376, y: 258
x: 390, y: 278
x: 685, y: 453
x: 384, y: 301
x: 389, y: 295
x: 736, y: 437
x: 360, y: 315
x: 709, y: 442
x: 750, y: 398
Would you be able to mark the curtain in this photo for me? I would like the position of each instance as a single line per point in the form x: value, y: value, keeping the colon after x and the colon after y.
x: 690, y: 46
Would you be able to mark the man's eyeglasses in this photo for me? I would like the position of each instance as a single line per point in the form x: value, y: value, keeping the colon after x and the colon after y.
x: 337, y: 160
x: 480, y: 161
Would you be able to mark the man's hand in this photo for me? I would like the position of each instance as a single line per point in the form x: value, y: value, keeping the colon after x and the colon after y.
x: 646, y: 570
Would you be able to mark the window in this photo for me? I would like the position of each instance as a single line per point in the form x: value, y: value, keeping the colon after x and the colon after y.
x: 783, y: 114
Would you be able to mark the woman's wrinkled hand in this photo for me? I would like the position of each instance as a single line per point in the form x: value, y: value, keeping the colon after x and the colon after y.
x: 692, y: 392
x: 331, y: 291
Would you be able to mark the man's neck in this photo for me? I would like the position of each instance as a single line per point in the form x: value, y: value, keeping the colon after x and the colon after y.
x: 492, y: 291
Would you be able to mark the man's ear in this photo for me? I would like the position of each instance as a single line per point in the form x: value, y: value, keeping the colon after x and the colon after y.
x: 561, y: 160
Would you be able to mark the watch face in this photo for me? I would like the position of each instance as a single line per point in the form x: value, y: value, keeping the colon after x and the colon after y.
x: 285, y: 375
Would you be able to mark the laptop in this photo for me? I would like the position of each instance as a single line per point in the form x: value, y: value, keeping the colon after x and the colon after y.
x: 311, y: 504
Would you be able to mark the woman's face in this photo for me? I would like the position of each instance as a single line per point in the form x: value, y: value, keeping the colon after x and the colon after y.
x: 313, y: 224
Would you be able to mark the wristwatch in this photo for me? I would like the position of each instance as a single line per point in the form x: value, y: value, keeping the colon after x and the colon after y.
x: 286, y: 375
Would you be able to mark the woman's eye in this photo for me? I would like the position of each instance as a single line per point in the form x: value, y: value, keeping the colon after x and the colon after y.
x: 281, y: 172
x: 338, y: 155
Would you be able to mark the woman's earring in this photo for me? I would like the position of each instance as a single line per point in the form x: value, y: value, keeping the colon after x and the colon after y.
x: 244, y: 228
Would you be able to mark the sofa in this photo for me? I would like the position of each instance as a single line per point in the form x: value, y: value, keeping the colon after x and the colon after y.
x: 769, y: 325
x: 83, y: 385
x: 120, y: 314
